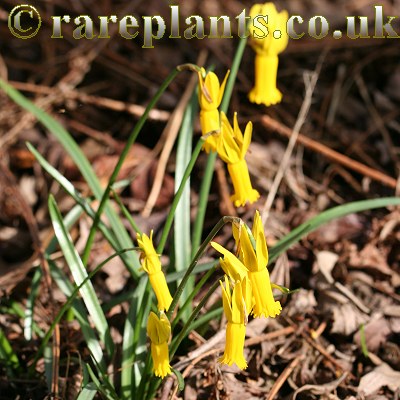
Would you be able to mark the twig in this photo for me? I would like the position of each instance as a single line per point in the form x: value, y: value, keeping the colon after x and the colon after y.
x: 311, y: 144
x: 104, y: 102
x: 101, y: 137
x: 379, y: 124
x: 319, y: 348
x: 310, y: 82
x: 283, y: 376
x: 167, y: 388
x: 249, y: 342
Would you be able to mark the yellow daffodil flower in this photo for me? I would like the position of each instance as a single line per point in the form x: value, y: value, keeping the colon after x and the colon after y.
x: 210, y: 97
x: 159, y: 331
x: 232, y: 148
x: 267, y: 48
x: 152, y: 265
x: 234, y: 309
x: 256, y: 262
x: 231, y: 265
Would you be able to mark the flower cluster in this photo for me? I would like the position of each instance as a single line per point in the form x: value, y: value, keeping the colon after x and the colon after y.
x: 158, y: 328
x: 251, y: 293
x: 267, y: 49
x: 246, y: 288
x: 229, y: 142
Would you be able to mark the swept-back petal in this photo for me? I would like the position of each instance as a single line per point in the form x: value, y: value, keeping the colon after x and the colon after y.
x: 231, y: 265
x: 246, y: 139
x: 238, y: 306
x: 261, y: 244
x: 237, y: 133
x: 226, y: 299
x: 222, y: 88
x: 249, y: 255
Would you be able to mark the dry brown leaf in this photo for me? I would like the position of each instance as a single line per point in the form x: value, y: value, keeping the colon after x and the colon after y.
x: 370, y: 257
x: 324, y: 391
x: 381, y: 376
x: 347, y: 319
x: 338, y: 229
x: 303, y: 302
x: 325, y: 262
x: 376, y: 332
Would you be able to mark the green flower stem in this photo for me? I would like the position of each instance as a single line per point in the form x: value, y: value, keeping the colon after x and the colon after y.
x: 203, y: 200
x: 184, y: 331
x: 121, y: 159
x: 211, y: 314
x: 126, y: 213
x: 202, y: 248
x: 155, y: 382
x: 178, y: 194
x: 209, y: 172
x: 196, y: 289
x: 232, y: 76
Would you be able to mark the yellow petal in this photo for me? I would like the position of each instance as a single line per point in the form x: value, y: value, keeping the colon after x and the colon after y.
x: 261, y: 244
x: 209, y: 122
x: 237, y: 133
x: 280, y: 44
x: 264, y: 302
x: 265, y: 90
x: 231, y: 265
x: 249, y: 255
x: 160, y: 356
x: 240, y: 177
x: 158, y: 329
x: 246, y: 139
x: 222, y: 88
x: 238, y: 306
x: 160, y: 288
x: 234, y: 345
x: 226, y: 299
x: 247, y: 294
x: 150, y: 259
x: 210, y: 91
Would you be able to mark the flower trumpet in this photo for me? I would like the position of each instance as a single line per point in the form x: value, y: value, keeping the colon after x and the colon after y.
x: 267, y: 47
x: 232, y: 147
x: 152, y: 265
x: 210, y: 97
x: 234, y: 309
x: 256, y: 261
x: 159, y: 331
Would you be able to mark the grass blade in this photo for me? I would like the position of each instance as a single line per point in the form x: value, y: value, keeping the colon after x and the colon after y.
x: 7, y: 355
x: 123, y: 239
x: 182, y: 245
x: 336, y: 212
x: 79, y: 274
x: 134, y: 340
x: 70, y: 189
x: 88, y: 392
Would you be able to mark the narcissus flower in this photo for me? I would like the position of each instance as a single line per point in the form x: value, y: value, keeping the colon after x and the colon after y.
x: 231, y: 265
x: 234, y: 309
x: 159, y: 331
x: 152, y: 265
x: 210, y: 97
x: 267, y: 48
x: 256, y: 262
x: 232, y: 147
